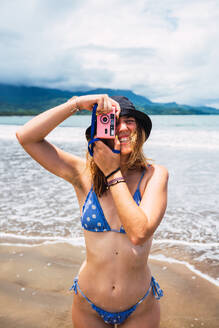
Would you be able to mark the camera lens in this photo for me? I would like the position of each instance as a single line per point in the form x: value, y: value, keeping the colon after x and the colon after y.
x: 104, y: 119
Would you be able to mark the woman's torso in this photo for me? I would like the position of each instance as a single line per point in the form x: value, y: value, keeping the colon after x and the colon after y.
x: 115, y: 271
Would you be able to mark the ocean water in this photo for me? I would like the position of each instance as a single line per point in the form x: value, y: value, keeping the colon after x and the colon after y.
x: 37, y: 207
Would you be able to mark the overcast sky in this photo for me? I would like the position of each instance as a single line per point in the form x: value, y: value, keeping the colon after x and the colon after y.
x: 166, y: 50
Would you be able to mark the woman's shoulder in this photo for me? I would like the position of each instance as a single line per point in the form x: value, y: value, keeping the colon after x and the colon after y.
x: 158, y: 170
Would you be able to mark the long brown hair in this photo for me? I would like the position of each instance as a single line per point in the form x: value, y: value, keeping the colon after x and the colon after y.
x: 136, y: 160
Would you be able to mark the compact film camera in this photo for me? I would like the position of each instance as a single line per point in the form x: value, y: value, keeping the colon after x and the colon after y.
x: 106, y: 125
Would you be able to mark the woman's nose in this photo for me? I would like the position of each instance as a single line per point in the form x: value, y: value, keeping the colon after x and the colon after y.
x: 121, y: 126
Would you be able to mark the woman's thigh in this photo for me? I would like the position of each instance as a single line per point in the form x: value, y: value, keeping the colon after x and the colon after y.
x: 83, y: 316
x: 144, y: 318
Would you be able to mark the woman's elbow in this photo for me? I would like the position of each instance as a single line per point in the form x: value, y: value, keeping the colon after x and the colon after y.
x: 19, y: 137
x: 140, y: 237
x: 23, y: 137
x: 138, y: 240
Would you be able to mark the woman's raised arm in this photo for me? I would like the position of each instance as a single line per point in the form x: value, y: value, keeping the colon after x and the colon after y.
x: 32, y: 137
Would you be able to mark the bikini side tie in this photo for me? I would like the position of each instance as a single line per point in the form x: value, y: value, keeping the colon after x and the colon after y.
x: 156, y: 289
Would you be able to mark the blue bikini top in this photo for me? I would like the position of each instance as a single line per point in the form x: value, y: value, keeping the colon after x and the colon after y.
x: 93, y: 218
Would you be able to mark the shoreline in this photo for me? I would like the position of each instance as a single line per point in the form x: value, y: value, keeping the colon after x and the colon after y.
x: 190, y: 267
x: 79, y: 242
x: 34, y: 283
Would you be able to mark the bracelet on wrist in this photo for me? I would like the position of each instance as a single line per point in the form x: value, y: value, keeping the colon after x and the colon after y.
x: 75, y: 108
x: 109, y: 175
x: 115, y: 181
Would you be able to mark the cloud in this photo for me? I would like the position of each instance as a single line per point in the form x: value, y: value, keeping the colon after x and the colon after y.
x: 165, y: 50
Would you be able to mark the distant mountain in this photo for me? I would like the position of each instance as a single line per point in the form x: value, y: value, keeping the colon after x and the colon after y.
x: 176, y: 109
x: 22, y: 100
x: 136, y: 99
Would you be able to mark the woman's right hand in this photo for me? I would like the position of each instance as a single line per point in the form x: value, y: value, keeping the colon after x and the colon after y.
x: 104, y: 103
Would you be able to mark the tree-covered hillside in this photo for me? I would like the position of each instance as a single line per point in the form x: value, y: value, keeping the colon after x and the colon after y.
x: 22, y: 100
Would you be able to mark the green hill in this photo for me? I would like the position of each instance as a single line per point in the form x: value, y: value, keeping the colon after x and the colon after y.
x: 23, y: 100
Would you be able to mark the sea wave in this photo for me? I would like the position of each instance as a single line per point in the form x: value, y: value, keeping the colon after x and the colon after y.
x: 36, y: 240
x: 9, y: 239
x: 163, y: 258
x: 185, y: 243
x: 182, y: 139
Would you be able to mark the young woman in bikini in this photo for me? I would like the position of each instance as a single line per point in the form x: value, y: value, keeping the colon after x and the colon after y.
x: 122, y: 200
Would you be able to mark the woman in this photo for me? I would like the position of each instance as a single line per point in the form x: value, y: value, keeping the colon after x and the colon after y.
x: 122, y: 200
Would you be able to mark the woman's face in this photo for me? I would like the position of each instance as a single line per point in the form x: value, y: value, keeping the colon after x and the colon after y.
x: 126, y: 132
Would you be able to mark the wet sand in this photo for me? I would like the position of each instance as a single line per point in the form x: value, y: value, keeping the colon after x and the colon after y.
x: 34, y: 284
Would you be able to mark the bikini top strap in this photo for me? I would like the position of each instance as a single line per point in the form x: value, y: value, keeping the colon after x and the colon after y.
x: 141, y: 179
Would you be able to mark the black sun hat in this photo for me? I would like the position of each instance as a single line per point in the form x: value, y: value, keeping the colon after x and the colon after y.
x: 128, y: 109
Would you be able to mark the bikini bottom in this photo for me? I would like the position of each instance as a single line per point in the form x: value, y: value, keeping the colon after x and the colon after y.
x: 118, y: 318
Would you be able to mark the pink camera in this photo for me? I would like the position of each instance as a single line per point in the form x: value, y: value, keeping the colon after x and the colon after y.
x: 106, y: 125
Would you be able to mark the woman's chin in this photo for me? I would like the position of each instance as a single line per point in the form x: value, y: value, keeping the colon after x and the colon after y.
x: 125, y: 149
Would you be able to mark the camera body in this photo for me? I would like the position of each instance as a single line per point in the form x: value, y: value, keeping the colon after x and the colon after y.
x: 106, y: 125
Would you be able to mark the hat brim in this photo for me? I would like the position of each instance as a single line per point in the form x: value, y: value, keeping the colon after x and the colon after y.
x: 143, y: 119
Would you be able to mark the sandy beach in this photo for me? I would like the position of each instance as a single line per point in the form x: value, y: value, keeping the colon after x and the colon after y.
x: 34, y: 284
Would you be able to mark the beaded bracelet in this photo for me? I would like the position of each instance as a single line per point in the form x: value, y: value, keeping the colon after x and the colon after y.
x: 75, y: 109
x: 115, y: 181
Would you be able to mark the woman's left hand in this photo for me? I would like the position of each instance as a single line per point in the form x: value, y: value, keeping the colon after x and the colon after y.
x: 105, y: 159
